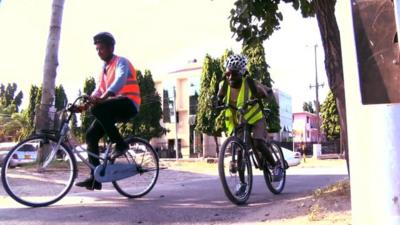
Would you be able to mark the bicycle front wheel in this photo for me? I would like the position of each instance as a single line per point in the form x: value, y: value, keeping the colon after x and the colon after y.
x: 36, y: 173
x: 275, y: 185
x: 235, y: 171
x: 145, y: 158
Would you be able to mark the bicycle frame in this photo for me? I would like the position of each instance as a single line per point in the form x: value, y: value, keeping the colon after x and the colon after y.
x: 62, y: 136
x: 244, y: 125
x: 247, y: 142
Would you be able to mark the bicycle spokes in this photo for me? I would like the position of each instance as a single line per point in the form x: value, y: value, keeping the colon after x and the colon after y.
x: 235, y: 171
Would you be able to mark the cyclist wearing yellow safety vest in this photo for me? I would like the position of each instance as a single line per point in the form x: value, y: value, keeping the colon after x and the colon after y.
x: 116, y: 99
x: 235, y: 90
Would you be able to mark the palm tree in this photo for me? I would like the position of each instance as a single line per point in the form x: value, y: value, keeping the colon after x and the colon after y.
x: 43, y: 120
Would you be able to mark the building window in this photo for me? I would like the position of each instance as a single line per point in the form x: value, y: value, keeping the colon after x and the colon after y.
x: 194, y: 89
x: 168, y: 102
x: 308, y: 119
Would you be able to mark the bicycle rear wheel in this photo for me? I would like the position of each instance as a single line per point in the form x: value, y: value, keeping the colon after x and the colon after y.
x: 275, y: 186
x: 36, y: 174
x: 235, y: 171
x: 145, y: 159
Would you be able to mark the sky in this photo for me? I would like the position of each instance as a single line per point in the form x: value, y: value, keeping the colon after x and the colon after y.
x: 153, y: 34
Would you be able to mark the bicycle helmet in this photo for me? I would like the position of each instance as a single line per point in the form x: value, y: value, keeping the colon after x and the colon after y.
x: 105, y: 38
x: 237, y: 63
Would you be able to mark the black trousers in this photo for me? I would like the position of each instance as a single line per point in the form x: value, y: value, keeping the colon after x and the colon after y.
x: 107, y: 113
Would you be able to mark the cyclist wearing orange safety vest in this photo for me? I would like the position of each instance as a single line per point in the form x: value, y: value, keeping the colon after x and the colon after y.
x: 116, y: 99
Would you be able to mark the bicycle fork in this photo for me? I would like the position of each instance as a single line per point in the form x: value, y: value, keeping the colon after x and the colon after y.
x: 54, y: 150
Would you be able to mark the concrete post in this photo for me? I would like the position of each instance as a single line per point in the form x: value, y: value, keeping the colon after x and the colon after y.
x: 374, y: 142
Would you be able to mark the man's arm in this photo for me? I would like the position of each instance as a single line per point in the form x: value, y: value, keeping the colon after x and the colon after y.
x: 122, y: 73
x: 263, y: 91
x: 97, y: 92
x: 221, y: 92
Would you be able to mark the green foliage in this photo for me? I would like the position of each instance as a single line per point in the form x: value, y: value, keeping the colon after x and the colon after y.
x: 8, y: 97
x: 61, y: 99
x: 86, y: 119
x: 255, y: 21
x: 12, y: 123
x: 222, y: 61
x: 330, y: 118
x: 35, y: 95
x: 257, y: 65
x: 273, y: 120
x: 18, y: 126
x: 308, y: 107
x: 258, y: 70
x: 206, y: 116
x: 252, y: 20
x: 34, y: 100
x: 146, y: 123
x: 74, y: 126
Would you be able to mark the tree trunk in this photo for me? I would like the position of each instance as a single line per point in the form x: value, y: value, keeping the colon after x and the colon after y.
x: 330, y: 35
x: 44, y: 116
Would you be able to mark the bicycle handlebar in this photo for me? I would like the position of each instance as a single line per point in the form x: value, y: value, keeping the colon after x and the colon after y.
x: 73, y: 107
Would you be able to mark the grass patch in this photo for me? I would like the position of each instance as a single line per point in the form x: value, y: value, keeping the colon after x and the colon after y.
x: 329, y: 199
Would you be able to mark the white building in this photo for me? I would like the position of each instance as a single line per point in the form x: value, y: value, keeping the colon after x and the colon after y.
x: 284, y: 101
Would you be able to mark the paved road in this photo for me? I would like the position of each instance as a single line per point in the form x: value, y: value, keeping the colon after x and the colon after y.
x: 178, y: 198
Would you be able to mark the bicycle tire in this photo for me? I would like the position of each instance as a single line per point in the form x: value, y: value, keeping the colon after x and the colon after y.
x: 276, y: 187
x: 233, y: 162
x: 146, y: 160
x: 27, y: 179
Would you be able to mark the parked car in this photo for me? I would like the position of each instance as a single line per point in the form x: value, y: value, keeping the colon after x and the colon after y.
x: 25, y: 154
x: 5, y: 147
x: 292, y: 158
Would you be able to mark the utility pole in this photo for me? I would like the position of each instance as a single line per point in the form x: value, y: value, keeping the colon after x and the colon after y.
x: 176, y: 126
x: 316, y: 86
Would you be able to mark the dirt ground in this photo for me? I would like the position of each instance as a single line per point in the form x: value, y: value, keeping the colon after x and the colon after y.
x: 327, y: 206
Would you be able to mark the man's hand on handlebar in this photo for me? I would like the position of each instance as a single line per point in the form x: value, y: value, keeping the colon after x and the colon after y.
x: 85, y: 103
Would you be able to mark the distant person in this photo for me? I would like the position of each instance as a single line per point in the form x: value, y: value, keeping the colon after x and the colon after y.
x: 303, y: 151
x: 116, y: 99
x: 233, y: 91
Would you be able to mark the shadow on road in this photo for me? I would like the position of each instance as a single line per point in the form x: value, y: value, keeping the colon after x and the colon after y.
x: 178, y: 198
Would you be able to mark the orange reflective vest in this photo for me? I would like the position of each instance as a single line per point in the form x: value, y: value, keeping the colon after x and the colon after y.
x: 130, y: 89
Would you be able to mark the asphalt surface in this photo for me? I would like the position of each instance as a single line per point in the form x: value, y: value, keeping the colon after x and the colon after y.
x: 178, y: 198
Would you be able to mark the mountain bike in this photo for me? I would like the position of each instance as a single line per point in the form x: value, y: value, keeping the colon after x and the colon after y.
x: 41, y: 169
x: 237, y: 155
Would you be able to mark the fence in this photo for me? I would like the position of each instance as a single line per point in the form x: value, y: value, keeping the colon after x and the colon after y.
x: 328, y: 147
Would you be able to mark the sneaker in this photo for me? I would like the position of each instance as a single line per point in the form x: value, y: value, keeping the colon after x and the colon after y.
x: 89, y: 183
x: 277, y: 173
x: 240, y: 189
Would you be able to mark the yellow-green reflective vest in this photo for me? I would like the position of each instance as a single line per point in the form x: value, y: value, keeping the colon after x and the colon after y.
x: 252, y: 114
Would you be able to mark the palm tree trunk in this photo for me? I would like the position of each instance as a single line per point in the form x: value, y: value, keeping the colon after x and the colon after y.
x: 45, y: 118
x: 330, y: 35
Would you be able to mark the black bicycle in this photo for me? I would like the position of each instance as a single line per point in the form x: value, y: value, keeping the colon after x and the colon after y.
x: 41, y: 170
x: 237, y: 156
